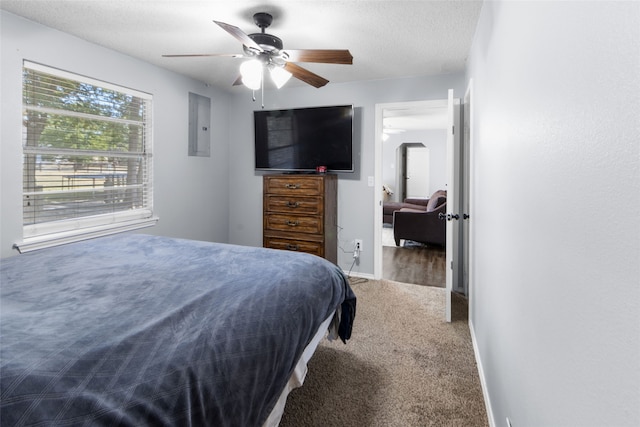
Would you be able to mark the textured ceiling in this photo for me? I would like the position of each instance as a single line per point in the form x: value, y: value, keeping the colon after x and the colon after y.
x: 388, y: 39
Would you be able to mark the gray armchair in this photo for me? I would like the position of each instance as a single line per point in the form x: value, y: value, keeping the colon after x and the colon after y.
x: 422, y: 226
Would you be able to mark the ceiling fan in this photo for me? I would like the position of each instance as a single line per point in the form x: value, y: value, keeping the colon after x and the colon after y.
x: 266, y: 52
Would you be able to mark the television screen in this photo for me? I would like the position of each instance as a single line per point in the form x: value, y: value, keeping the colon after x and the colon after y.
x: 301, y: 139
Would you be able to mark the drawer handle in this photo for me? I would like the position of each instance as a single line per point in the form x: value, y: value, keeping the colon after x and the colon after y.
x: 292, y: 247
x: 293, y: 204
x: 292, y: 223
x: 292, y: 186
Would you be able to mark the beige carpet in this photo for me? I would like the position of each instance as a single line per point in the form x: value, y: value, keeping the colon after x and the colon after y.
x: 404, y: 366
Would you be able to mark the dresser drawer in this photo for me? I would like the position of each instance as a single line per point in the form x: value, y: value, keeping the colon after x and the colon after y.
x: 315, y: 248
x: 297, y: 223
x: 294, y: 185
x: 294, y: 205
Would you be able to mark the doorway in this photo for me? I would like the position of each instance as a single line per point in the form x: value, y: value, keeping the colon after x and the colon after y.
x: 411, y: 262
x: 407, y: 126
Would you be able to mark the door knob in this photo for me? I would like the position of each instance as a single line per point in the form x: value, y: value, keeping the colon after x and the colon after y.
x: 465, y: 216
x: 448, y: 217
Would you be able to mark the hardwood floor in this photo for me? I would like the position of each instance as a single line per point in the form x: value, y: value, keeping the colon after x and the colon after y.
x: 419, y: 265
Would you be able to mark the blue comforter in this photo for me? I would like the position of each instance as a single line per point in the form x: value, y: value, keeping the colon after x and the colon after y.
x: 147, y: 330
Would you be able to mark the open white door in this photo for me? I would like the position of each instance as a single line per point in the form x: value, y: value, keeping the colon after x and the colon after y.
x: 453, y: 205
x: 465, y: 197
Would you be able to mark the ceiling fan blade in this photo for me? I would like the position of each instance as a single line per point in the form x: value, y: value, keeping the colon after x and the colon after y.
x: 238, y: 81
x: 240, y: 35
x: 305, y: 75
x: 232, y: 55
x: 326, y: 56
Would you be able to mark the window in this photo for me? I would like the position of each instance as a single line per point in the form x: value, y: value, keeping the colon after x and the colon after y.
x: 86, y: 158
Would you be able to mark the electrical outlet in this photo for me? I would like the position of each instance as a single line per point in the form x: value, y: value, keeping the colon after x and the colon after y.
x: 357, y: 248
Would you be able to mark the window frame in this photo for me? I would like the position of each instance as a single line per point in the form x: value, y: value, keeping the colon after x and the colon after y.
x: 60, y: 231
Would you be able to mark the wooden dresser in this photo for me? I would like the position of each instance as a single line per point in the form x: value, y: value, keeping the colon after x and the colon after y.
x: 300, y: 214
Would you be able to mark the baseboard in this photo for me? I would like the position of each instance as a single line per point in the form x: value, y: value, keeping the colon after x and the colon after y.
x: 483, y: 381
x: 360, y: 275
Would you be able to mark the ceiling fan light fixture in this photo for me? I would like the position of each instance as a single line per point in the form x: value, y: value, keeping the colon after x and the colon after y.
x: 280, y: 76
x: 268, y: 49
x: 251, y: 72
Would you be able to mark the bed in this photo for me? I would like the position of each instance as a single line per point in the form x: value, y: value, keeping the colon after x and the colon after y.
x: 137, y: 330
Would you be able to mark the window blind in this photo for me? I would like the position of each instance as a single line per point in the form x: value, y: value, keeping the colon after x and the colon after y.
x: 87, y: 156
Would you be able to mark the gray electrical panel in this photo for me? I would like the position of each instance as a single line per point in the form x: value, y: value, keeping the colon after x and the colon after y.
x: 199, y: 125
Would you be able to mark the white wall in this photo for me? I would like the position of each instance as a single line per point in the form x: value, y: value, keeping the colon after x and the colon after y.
x: 556, y: 211
x: 435, y: 140
x: 355, y: 197
x: 191, y: 193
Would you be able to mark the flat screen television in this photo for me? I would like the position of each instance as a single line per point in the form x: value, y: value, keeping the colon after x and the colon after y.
x: 301, y: 139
